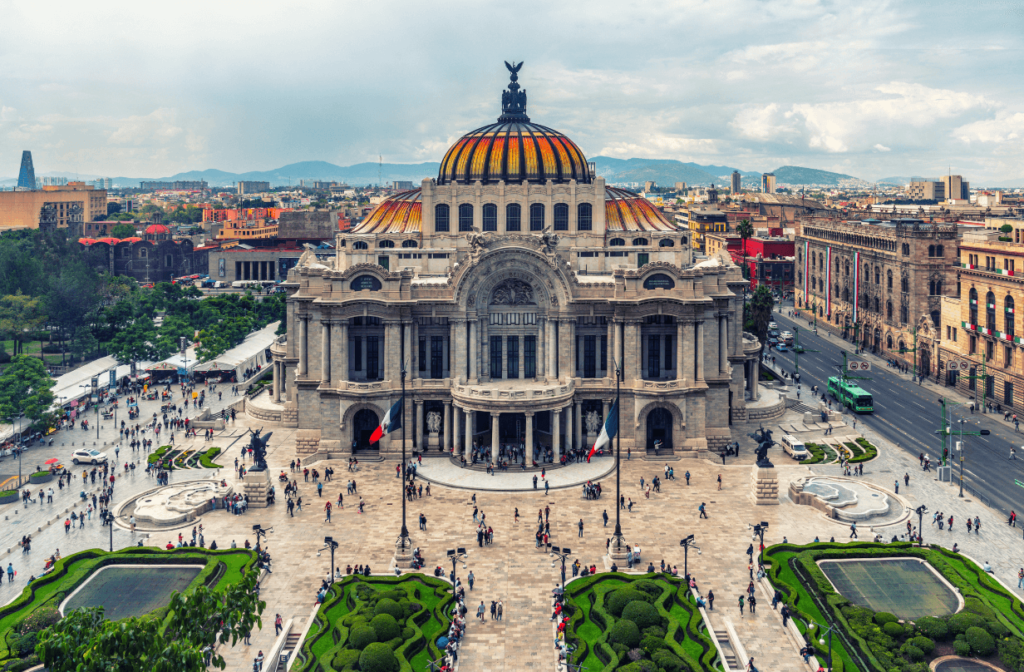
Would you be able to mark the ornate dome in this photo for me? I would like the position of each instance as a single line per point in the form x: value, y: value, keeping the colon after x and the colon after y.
x: 154, y: 229
x: 514, y: 149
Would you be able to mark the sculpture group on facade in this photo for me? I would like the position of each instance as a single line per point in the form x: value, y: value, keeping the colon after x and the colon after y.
x: 512, y: 293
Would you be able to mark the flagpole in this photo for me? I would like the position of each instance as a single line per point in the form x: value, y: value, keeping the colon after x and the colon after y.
x: 617, y: 542
x: 404, y: 539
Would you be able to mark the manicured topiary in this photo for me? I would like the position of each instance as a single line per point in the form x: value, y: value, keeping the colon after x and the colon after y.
x: 386, y: 627
x: 911, y: 652
x: 361, y: 636
x: 1011, y: 653
x: 651, y: 644
x: 618, y: 599
x: 653, y: 631
x: 626, y: 633
x: 346, y: 658
x: 640, y: 666
x: 668, y: 661
x: 408, y: 633
x: 959, y: 623
x: 649, y: 587
x: 961, y: 648
x: 933, y: 628
x: 922, y: 643
x: 894, y: 630
x: 643, y: 614
x: 882, y: 617
x: 378, y: 657
x: 982, y: 643
x: 389, y: 606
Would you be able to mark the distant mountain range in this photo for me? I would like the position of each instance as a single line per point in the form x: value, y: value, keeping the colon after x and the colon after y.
x: 799, y: 175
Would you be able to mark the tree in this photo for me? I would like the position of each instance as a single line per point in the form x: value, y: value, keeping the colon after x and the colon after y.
x: 84, y: 641
x: 123, y: 231
x: 20, y: 315
x: 746, y: 230
x: 759, y: 311
x: 25, y: 387
x: 135, y: 342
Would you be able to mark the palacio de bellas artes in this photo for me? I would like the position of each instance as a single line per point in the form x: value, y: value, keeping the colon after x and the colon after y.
x: 497, y: 300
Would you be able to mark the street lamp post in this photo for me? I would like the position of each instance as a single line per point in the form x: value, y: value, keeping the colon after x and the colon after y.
x: 921, y: 510
x: 455, y: 555
x: 960, y: 449
x: 330, y: 543
x: 687, y: 544
x: 404, y: 542
x: 759, y: 529
x: 562, y: 553
x: 108, y: 518
x: 617, y: 541
x: 261, y: 533
x: 821, y: 640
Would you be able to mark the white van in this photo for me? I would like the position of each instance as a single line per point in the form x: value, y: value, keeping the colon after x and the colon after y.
x: 795, y: 448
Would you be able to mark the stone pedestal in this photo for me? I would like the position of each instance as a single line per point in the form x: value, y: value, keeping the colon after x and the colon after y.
x: 403, y: 555
x: 766, y: 487
x: 433, y: 440
x: 256, y: 487
x: 618, y: 552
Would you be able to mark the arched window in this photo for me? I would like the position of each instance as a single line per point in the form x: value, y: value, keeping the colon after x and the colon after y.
x: 931, y: 250
x: 972, y: 306
x: 814, y: 263
x: 990, y: 311
x: 386, y: 243
x: 561, y: 217
x: 584, y: 217
x: 441, y: 218
x: 904, y: 284
x: 537, y: 217
x: 888, y: 311
x: 867, y: 272
x: 666, y: 242
x: 877, y: 305
x: 888, y: 280
x: 938, y: 287
x: 878, y: 276
x: 490, y: 217
x: 846, y: 268
x: 410, y: 243
x: 821, y: 260
x: 940, y: 251
x: 904, y: 314
x: 639, y: 241
x: 846, y: 294
x: 901, y: 345
x: 616, y: 242
x: 513, y: 217
x: 835, y: 294
x: 465, y: 217
x: 888, y: 341
x: 799, y: 277
x: 360, y: 245
x: 1008, y: 318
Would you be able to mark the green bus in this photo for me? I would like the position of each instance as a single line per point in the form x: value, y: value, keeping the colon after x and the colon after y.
x: 851, y: 396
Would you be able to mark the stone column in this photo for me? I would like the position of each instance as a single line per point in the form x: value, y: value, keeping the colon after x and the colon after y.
x: 474, y: 350
x: 620, y: 349
x: 339, y: 362
x: 469, y: 436
x: 529, y: 438
x: 631, y: 351
x: 389, y: 340
x: 325, y: 354
x: 555, y: 431
x: 418, y: 434
x: 604, y: 410
x: 571, y: 362
x: 688, y: 343
x: 458, y: 348
x: 277, y: 382
x: 494, y: 435
x: 579, y: 423
x: 303, y: 350
x: 723, y: 344
x: 541, y: 349
x: 680, y: 362
x: 414, y: 350
x: 755, y: 391
x: 456, y: 429
x: 447, y: 422
x: 552, y: 367
x: 700, y: 352
x: 610, y: 371
x: 569, y: 442
x: 405, y: 357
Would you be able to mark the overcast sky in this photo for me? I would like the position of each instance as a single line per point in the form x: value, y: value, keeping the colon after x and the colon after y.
x: 865, y: 87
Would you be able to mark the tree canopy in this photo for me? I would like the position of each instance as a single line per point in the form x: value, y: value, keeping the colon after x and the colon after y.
x: 25, y: 387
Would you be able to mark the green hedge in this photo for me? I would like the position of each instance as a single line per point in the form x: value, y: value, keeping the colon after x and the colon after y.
x: 870, y: 451
x: 411, y: 610
x: 206, y: 459
x: 872, y: 642
x: 817, y: 454
x: 33, y: 610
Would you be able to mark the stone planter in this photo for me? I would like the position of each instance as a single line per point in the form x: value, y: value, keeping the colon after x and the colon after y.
x: 11, y: 498
x: 44, y: 478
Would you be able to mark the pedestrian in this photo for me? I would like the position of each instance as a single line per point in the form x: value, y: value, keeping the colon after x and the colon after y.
x: 741, y: 605
x: 580, y: 525
x: 853, y: 530
x: 10, y: 573
x: 472, y: 580
x: 501, y: 609
x: 480, y: 611
x: 750, y: 552
x: 951, y: 523
x: 897, y: 486
x: 906, y: 480
x: 785, y: 615
x: 687, y: 476
x: 752, y: 601
x: 711, y: 600
x: 494, y: 610
x: 327, y: 510
x: 703, y: 513
x: 977, y: 525
x: 278, y: 625
x: 719, y: 481
x: 605, y: 516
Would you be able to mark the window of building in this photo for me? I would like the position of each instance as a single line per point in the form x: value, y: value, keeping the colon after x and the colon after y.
x: 990, y: 386
x: 888, y: 310
x: 421, y: 353
x: 496, y: 357
x: 666, y: 242
x: 940, y: 251
x: 990, y: 351
x: 972, y: 306
x: 386, y: 243
x: 537, y: 217
x: 906, y: 249
x: 512, y: 369
x: 1008, y: 393
x: 409, y: 243
x: 561, y: 217
x: 589, y: 355
x: 513, y: 217
x: 888, y: 280
x: 1008, y: 318
x: 1008, y: 265
x: 639, y: 241
x: 616, y: 242
x: 971, y: 380
x: 888, y: 342
x: 654, y: 356
x: 168, y: 260
x: 465, y: 217
x: 372, y: 358
x: 904, y: 314
x: 357, y: 353
x: 878, y: 276
x: 584, y: 217
x: 490, y: 217
x: 972, y: 346
x: 1007, y: 356
x: 904, y: 284
x: 877, y: 305
x: 529, y: 356
x: 931, y: 250
x: 441, y: 218
x: 990, y: 311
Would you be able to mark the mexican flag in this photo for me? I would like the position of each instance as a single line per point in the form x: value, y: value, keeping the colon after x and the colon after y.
x: 611, y: 427
x: 392, y: 421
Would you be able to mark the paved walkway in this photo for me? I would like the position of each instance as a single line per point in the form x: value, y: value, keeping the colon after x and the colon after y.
x: 442, y: 471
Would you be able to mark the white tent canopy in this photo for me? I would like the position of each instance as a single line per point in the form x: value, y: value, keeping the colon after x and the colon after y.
x: 245, y: 355
x: 69, y: 386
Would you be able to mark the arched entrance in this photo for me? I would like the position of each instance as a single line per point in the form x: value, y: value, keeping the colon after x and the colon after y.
x: 659, y: 428
x: 925, y: 364
x: 878, y: 339
x: 363, y: 425
x: 512, y: 428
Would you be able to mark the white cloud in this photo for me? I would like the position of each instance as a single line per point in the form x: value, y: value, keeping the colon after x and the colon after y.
x: 1004, y: 127
x: 158, y: 125
x: 882, y: 148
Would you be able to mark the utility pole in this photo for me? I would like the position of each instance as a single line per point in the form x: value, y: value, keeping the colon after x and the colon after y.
x: 797, y: 351
x: 905, y: 350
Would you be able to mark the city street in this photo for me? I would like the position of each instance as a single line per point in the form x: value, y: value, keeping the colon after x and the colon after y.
x: 908, y: 414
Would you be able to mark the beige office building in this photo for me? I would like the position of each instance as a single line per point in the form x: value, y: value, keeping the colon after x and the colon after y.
x: 54, y: 206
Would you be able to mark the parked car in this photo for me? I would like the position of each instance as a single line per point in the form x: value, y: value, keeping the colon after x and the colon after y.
x: 794, y: 447
x: 85, y: 456
x: 781, y: 347
x: 774, y: 333
x: 786, y: 337
x: 773, y: 325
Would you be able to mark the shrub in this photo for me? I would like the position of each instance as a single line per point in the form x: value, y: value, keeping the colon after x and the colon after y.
x: 882, y: 617
x: 668, y: 661
x: 25, y: 644
x: 378, y: 657
x: 651, y: 644
x: 959, y: 623
x: 643, y: 614
x: 386, y: 627
x: 618, y: 599
x: 932, y: 627
x: 1011, y: 653
x: 981, y: 642
x: 640, y: 666
x: 626, y: 633
x: 389, y: 606
x: 362, y: 636
x: 961, y: 648
x: 649, y: 587
x: 346, y: 658
x: 997, y: 629
x: 653, y: 631
x: 408, y: 633
x: 894, y: 630
x: 922, y: 643
x: 912, y: 653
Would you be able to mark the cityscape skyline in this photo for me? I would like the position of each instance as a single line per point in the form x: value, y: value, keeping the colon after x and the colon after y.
x: 899, y: 89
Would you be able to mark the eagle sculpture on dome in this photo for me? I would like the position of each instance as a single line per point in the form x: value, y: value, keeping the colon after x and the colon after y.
x: 513, y: 101
x: 514, y: 69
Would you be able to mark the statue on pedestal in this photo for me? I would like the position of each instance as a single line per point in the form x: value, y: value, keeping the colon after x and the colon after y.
x: 764, y: 442
x: 259, y: 449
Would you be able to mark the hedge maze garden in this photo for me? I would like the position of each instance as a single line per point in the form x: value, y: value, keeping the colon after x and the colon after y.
x: 989, y: 627
x: 648, y: 623
x: 378, y: 624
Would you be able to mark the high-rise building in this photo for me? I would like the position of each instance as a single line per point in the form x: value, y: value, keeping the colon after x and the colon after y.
x: 52, y: 206
x: 768, y: 183
x: 190, y: 185
x: 956, y: 188
x: 252, y: 187
x: 155, y: 185
x: 27, y: 176
x: 737, y: 181
x: 926, y: 191
x: 680, y: 186
x: 54, y: 181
